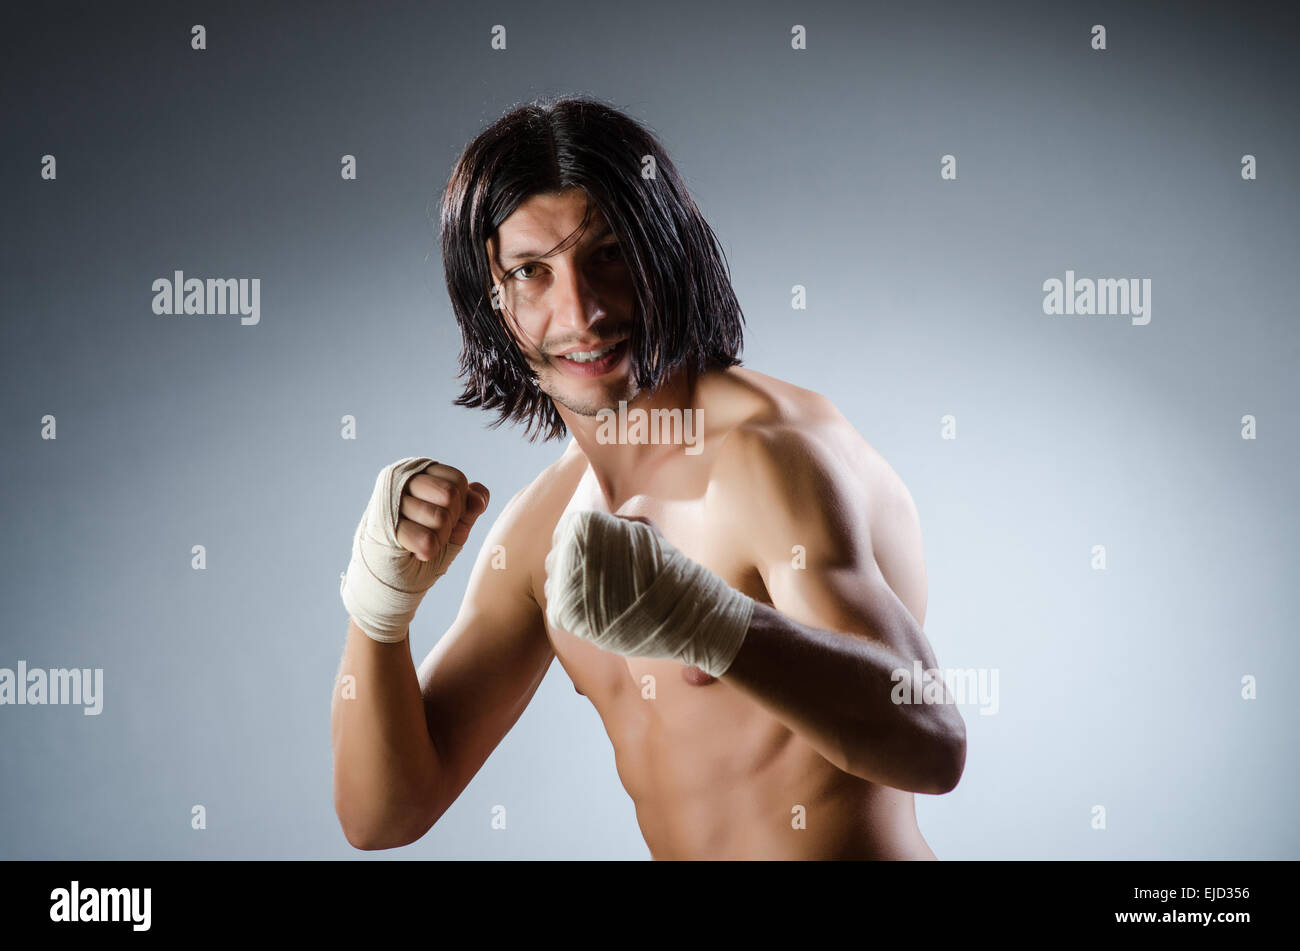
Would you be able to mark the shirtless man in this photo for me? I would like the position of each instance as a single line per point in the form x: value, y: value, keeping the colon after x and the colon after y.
x: 793, y: 747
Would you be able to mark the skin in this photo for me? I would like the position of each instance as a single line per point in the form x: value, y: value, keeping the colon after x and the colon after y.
x: 797, y: 751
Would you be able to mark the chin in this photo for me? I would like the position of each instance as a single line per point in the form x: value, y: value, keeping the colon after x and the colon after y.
x: 589, y: 403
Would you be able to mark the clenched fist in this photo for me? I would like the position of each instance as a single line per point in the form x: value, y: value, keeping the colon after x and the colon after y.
x: 419, y: 517
x: 619, y: 584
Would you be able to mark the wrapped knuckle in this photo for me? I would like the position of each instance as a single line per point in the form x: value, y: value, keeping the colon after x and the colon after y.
x: 429, y: 548
x: 428, y: 512
x: 433, y: 490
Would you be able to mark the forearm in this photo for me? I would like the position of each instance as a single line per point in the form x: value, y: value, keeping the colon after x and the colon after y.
x: 835, y: 691
x: 385, y: 764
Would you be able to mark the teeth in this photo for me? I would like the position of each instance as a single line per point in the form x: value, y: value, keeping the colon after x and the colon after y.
x: 590, y: 356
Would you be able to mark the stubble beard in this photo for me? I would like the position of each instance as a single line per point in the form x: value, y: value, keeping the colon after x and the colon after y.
x: 551, y: 382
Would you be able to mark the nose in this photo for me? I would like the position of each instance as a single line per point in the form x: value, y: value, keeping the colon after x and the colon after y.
x: 575, y: 306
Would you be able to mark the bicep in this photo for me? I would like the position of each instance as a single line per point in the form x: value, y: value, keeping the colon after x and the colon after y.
x: 483, y: 672
x: 835, y: 550
x: 898, y: 549
x: 850, y: 597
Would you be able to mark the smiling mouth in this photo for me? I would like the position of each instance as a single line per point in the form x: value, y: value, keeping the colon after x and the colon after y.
x: 593, y: 362
x: 590, y: 356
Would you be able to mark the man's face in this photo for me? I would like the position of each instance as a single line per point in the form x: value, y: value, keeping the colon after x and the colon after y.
x: 575, y: 303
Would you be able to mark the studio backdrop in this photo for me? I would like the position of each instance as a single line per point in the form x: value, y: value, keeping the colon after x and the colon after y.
x: 1042, y: 257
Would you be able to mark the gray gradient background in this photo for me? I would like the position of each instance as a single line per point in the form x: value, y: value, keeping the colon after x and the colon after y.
x: 1119, y: 688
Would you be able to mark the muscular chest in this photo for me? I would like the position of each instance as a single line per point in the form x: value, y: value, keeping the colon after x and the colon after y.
x: 685, y: 520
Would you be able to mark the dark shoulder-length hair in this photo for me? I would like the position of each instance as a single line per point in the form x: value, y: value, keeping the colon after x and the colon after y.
x: 688, y: 315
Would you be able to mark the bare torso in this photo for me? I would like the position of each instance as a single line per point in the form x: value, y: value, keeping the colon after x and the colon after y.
x: 712, y: 774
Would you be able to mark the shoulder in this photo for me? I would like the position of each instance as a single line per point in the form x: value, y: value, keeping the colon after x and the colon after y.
x: 804, y: 466
x: 791, y: 469
x: 530, y: 515
x: 786, y: 473
x: 520, y: 535
x: 549, y: 489
x: 787, y: 433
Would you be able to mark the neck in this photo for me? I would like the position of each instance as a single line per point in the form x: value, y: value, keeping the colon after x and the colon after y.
x: 619, y: 457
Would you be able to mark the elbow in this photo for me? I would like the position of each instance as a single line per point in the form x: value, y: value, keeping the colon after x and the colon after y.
x: 363, y: 841
x: 929, y: 761
x: 946, y: 777
x: 370, y: 843
x: 360, y: 834
x: 378, y: 838
x: 948, y: 761
x: 372, y: 833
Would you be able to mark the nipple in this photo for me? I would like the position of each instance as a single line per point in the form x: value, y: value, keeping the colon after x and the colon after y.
x: 696, y: 677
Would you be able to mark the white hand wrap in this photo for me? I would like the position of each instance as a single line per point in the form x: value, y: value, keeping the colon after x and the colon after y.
x: 385, y: 583
x: 617, y: 584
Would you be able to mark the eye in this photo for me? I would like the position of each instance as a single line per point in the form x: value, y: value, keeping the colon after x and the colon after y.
x: 612, y: 252
x: 519, y: 271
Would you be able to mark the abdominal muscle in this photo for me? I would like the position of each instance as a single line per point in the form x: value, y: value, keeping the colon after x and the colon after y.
x: 715, y: 776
